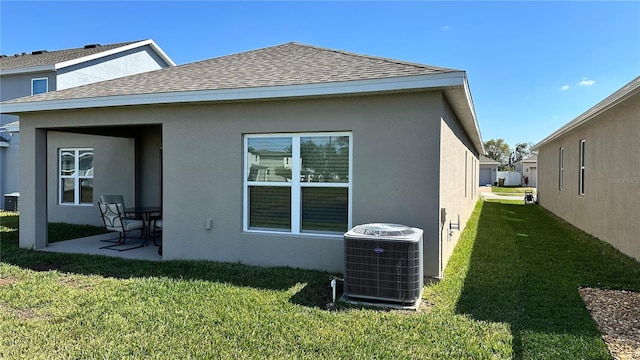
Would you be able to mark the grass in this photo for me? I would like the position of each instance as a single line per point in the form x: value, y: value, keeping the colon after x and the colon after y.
x: 510, y: 191
x: 510, y: 291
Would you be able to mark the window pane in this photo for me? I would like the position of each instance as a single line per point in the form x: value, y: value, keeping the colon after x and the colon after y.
x: 39, y: 86
x: 68, y: 190
x: 270, y: 207
x: 269, y: 159
x: 67, y: 163
x: 325, y: 159
x: 85, y: 163
x: 86, y: 191
x: 325, y: 209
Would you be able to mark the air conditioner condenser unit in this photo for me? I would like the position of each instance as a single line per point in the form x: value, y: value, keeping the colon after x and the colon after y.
x: 384, y: 262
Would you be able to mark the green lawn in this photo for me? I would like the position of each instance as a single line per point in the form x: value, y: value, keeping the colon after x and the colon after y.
x: 510, y: 291
x: 511, y: 190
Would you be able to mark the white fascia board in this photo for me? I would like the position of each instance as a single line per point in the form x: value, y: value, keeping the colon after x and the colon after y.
x: 434, y: 81
x: 102, y: 54
x: 34, y: 69
x: 479, y: 144
x: 462, y: 103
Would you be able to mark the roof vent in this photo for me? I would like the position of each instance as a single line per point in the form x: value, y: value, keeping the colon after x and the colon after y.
x: 3, y: 56
x: 38, y: 52
x: 91, y: 46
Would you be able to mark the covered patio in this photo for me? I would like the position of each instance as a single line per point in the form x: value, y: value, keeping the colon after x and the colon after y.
x: 79, y: 164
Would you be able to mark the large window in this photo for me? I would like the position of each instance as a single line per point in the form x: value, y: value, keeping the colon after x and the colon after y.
x: 561, y: 169
x: 298, y: 183
x: 581, y: 176
x: 76, y: 176
x: 39, y: 86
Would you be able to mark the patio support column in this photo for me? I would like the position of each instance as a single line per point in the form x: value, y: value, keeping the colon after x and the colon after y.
x: 33, y: 188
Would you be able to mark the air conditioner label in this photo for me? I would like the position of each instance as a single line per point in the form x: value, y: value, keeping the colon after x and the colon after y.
x: 378, y: 250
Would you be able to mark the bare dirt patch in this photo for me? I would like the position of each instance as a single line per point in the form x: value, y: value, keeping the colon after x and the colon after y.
x: 617, y: 313
x: 8, y: 280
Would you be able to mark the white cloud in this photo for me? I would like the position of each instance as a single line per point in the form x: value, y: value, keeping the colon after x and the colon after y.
x: 445, y: 28
x: 565, y: 87
x: 586, y: 82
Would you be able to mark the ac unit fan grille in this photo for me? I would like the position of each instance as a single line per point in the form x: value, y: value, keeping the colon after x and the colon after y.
x: 384, y: 270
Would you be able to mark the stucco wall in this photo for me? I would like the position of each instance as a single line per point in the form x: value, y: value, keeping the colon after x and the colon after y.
x: 19, y: 85
x: 394, y: 174
x: 113, y: 173
x: 609, y: 207
x: 459, y: 167
x: 396, y: 154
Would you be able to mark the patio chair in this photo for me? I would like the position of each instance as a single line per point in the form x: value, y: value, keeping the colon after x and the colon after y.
x: 114, y: 219
x: 528, y: 197
x: 116, y: 199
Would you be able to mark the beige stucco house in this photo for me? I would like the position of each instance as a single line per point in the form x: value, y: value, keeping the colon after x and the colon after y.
x: 589, y: 170
x: 488, y: 171
x: 528, y: 169
x: 265, y: 157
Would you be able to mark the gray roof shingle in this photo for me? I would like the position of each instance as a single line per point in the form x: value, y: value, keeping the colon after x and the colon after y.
x: 29, y: 60
x: 281, y: 65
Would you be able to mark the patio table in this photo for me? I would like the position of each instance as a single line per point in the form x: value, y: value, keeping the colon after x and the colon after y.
x: 145, y: 213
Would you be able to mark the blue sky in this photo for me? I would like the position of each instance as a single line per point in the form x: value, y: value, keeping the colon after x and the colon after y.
x: 532, y: 66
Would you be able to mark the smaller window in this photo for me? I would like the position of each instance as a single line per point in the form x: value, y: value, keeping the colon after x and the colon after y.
x: 561, y: 169
x: 582, y: 167
x: 75, y: 176
x: 39, y: 86
x: 466, y: 172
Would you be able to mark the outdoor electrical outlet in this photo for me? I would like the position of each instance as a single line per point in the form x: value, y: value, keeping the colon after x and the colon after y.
x: 208, y: 224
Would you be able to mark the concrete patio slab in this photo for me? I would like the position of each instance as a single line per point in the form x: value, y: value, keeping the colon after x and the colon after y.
x: 91, y: 246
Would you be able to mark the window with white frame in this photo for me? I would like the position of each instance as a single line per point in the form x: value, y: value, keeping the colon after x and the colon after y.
x: 561, y: 169
x: 466, y: 172
x: 298, y: 183
x: 76, y: 176
x: 39, y: 86
x: 581, y: 176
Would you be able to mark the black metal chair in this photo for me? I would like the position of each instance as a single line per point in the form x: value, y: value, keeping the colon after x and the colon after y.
x: 528, y: 197
x: 115, y: 219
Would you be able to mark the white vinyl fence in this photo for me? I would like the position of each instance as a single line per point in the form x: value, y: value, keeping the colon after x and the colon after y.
x: 511, y: 178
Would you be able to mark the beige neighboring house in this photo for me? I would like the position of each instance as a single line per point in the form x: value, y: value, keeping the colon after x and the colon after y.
x: 589, y: 170
x: 488, y: 172
x: 265, y: 157
x: 528, y: 168
x: 42, y: 71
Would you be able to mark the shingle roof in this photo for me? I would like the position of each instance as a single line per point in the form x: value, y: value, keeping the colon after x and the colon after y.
x: 281, y: 65
x: 29, y: 60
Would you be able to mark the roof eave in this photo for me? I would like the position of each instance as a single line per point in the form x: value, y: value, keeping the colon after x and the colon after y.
x: 33, y: 69
x: 432, y: 81
x: 454, y: 84
x: 462, y: 104
x: 64, y: 64
x: 117, y: 50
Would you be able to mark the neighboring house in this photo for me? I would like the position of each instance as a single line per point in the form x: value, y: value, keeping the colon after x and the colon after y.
x: 44, y: 71
x: 488, y: 173
x: 368, y: 139
x: 590, y: 170
x: 528, y: 168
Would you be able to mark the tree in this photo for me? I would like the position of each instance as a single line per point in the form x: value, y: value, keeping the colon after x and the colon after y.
x: 522, y: 151
x: 499, y: 151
